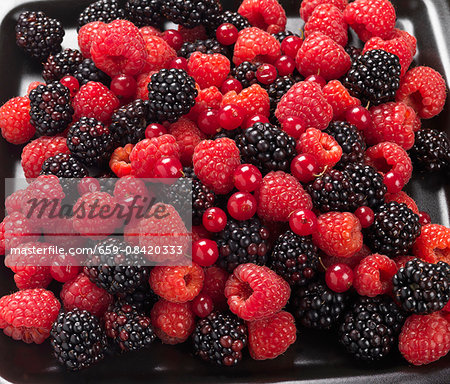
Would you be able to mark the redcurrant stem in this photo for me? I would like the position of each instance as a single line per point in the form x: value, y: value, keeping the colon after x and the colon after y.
x: 321, y: 263
x: 321, y: 173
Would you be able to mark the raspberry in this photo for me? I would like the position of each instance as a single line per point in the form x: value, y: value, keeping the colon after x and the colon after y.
x: 370, y: 18
x: 86, y: 36
x: 268, y: 338
x: 208, y: 98
x: 305, y: 100
x: 187, y: 136
x: 386, y: 157
x: 321, y: 145
x: 214, y: 286
x: 339, y: 98
x: 255, y: 292
x: 329, y: 20
x: 394, y: 122
x: 268, y: 15
x: 147, y: 152
x: 373, y: 275
x: 119, y: 48
x: 408, y: 38
x: 28, y: 315
x: 253, y: 44
x: 424, y: 90
x: 307, y: 7
x: 279, y: 195
x: 433, y: 244
x: 142, y: 85
x: 150, y: 31
x: 37, y: 151
x: 338, y: 234
x: 208, y: 70
x: 14, y: 202
x: 215, y: 162
x: 402, y: 197
x: 159, y: 53
x: 15, y: 121
x: 424, y: 338
x: 95, y: 100
x: 254, y: 100
x: 320, y: 54
x: 173, y: 322
x: 18, y: 229
x: 83, y: 294
x: 177, y: 284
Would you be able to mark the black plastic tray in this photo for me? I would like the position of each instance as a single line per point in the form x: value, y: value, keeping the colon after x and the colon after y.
x: 316, y: 357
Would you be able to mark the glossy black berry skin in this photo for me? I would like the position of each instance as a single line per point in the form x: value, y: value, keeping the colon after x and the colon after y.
x: 246, y: 73
x: 102, y: 10
x: 64, y: 165
x: 171, y: 94
x: 77, y: 339
x: 51, y: 109
x: 190, y: 13
x: 353, y: 52
x: 39, y: 35
x: 431, y: 151
x: 370, y: 328
x: 267, y: 147
x: 144, y: 12
x: 421, y: 287
x: 62, y: 64
x: 295, y: 258
x: 242, y: 242
x: 280, y: 36
x: 220, y: 338
x: 87, y: 71
x: 277, y: 89
x: 202, y: 199
x: 374, y: 77
x: 239, y: 21
x: 142, y: 298
x: 209, y: 46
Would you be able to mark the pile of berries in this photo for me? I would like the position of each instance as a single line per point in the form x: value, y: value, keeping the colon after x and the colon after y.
x: 298, y: 149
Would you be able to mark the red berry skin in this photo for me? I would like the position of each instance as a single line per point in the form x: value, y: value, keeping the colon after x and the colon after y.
x: 208, y: 121
x: 433, y: 244
x: 293, y: 126
x: 304, y: 167
x: 179, y: 63
x: 424, y: 218
x: 393, y: 182
x: 359, y: 117
x: 123, y: 86
x: 339, y: 277
x: 254, y: 119
x: 303, y: 222
x: 71, y: 83
x: 365, y: 216
x: 231, y: 116
x: 87, y: 185
x: 285, y: 65
x: 290, y: 45
x: 317, y: 79
x: 231, y: 84
x: 242, y: 206
x: 227, y: 34
x: 204, y: 252
x: 247, y: 178
x: 173, y: 38
x: 64, y: 273
x: 168, y: 168
x: 214, y: 219
x: 202, y: 305
x: 266, y: 74
x: 154, y: 130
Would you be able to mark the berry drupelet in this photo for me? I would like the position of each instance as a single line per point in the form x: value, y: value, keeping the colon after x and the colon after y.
x: 295, y: 258
x: 242, y: 242
x: 102, y: 10
x: 239, y: 21
x: 130, y: 329
x: 277, y: 89
x: 171, y: 94
x: 142, y: 298
x: 64, y: 165
x: 421, y: 287
x: 51, y: 109
x: 370, y: 328
x: 280, y: 36
x: 245, y: 73
x: 317, y: 306
x: 374, y: 77
x: 90, y: 141
x: 87, y: 71
x: 394, y: 230
x: 144, y: 12
x: 431, y: 150
x: 202, y: 199
x: 353, y: 52
x: 62, y: 64
x: 267, y: 147
x: 39, y: 35
x: 209, y: 46
x: 351, y: 141
x: 220, y: 338
x: 77, y: 339
x: 190, y: 13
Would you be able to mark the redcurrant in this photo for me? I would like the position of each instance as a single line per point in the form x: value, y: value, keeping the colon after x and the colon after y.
x: 424, y: 218
x: 168, y: 168
x: 285, y: 65
x: 154, y: 130
x: 71, y: 83
x: 231, y: 116
x: 202, y: 305
x: 359, y: 117
x: 205, y: 252
x: 304, y: 167
x: 266, y: 74
x: 365, y: 216
x: 214, y: 219
x: 87, y: 185
x: 231, y: 84
x: 339, y: 277
x: 254, y: 119
x: 247, y: 178
x: 123, y: 86
x: 242, y: 206
x: 317, y: 79
x: 227, y: 34
x: 293, y: 126
x: 393, y: 182
x: 290, y: 45
x: 173, y: 38
x: 179, y: 63
x: 303, y: 222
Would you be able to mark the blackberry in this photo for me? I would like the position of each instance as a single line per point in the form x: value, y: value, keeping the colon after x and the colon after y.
x: 129, y: 122
x: 431, y: 150
x: 351, y: 141
x: 64, y: 165
x: 267, y: 147
x: 189, y: 172
x: 142, y: 298
x: 51, y: 109
x: 421, y: 287
x: 102, y: 10
x: 130, y: 329
x: 232, y: 134
x: 171, y: 94
x: 242, y: 242
x: 39, y: 35
x: 280, y: 36
x: 90, y: 141
x: 246, y: 73
x: 374, y: 77
x: 317, y: 306
x: 208, y: 46
x: 87, y: 71
x: 114, y: 269
x: 202, y: 199
x: 144, y: 12
x: 190, y: 13
x: 394, y: 229
x: 353, y: 52
x: 334, y: 191
x: 295, y: 258
x: 368, y: 183
x: 62, y: 64
x: 239, y: 21
x: 107, y: 181
x: 277, y: 89
x: 370, y: 328
x: 77, y: 339
x: 220, y: 338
